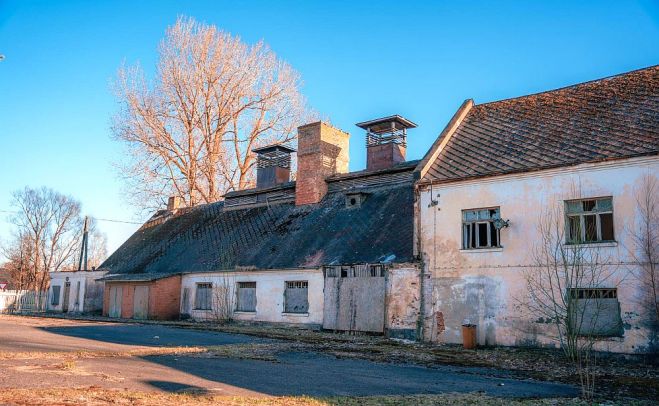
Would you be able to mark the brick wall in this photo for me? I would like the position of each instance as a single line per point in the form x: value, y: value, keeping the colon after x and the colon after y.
x: 322, y: 152
x: 165, y: 298
x: 384, y: 156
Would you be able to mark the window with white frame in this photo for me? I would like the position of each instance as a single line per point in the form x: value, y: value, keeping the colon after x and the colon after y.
x: 589, y: 220
x: 203, y: 296
x: 478, y: 230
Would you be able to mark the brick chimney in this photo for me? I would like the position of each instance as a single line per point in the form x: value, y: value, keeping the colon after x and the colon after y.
x: 322, y: 152
x: 273, y: 165
x: 386, y: 141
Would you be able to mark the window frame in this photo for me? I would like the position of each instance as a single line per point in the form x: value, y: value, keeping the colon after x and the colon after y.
x: 238, y: 287
x: 209, y: 299
x: 596, y: 212
x: 574, y: 298
x: 55, y: 298
x: 474, y: 232
x: 287, y: 285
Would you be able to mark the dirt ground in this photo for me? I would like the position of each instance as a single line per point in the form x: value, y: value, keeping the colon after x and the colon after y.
x: 46, y: 360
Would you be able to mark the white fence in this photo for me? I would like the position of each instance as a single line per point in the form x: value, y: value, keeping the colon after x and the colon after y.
x: 16, y: 301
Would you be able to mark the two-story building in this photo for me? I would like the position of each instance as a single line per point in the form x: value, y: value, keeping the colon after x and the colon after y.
x: 511, y: 186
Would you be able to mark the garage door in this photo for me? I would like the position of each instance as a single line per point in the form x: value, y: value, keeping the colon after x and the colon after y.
x: 141, y: 302
x: 115, y: 301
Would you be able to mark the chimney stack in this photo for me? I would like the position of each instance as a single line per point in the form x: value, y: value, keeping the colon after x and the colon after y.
x: 322, y: 152
x: 386, y: 141
x: 174, y: 203
x: 273, y: 165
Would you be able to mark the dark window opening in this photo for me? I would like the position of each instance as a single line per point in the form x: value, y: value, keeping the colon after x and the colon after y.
x: 478, y: 230
x: 589, y: 221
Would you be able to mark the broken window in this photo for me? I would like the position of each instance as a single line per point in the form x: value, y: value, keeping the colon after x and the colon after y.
x: 589, y: 220
x: 478, y: 230
x: 296, y: 297
x: 595, y: 311
x: 203, y: 296
x: 54, y: 300
x: 246, y: 297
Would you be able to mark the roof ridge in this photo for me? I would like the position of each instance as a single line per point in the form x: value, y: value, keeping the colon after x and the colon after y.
x: 569, y: 86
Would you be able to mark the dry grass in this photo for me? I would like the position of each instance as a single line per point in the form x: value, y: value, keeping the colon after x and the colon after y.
x: 140, y: 352
x: 97, y: 396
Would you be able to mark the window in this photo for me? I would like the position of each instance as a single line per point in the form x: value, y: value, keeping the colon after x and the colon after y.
x: 589, y: 221
x: 246, y: 297
x: 203, y: 298
x: 54, y: 300
x: 296, y: 297
x: 596, y: 311
x: 478, y: 230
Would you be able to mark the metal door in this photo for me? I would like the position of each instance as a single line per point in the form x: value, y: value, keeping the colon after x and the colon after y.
x: 67, y: 293
x: 141, y: 302
x: 115, y: 301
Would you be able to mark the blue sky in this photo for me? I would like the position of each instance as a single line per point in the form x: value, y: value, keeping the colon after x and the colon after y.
x: 358, y: 60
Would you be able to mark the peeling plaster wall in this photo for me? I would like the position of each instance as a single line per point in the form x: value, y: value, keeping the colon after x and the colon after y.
x: 487, y: 286
x: 270, y: 287
x: 402, y: 302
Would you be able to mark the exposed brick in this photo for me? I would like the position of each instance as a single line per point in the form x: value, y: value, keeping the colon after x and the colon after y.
x: 164, y: 298
x: 322, y: 152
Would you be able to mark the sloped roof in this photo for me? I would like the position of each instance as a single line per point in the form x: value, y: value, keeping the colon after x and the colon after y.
x: 610, y: 118
x: 209, y: 238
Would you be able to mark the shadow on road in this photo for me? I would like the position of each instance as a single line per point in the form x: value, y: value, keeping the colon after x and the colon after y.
x: 150, y: 335
x: 310, y: 373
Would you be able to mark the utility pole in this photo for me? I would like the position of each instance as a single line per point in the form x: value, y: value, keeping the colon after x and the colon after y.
x: 83, y: 248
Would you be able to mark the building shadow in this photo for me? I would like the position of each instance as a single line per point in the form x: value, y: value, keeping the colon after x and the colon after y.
x: 306, y: 373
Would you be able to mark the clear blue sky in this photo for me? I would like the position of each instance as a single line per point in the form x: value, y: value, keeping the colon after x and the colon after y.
x: 358, y: 60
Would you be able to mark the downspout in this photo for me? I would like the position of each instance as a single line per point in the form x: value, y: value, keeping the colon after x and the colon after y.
x: 422, y: 299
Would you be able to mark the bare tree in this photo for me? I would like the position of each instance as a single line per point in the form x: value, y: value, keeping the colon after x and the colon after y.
x: 48, y: 231
x: 190, y: 132
x: 558, y: 291
x: 645, y: 250
x: 19, y: 265
x: 223, y: 299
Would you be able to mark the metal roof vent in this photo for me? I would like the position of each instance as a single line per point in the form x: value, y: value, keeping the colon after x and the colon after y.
x: 386, y: 141
x: 273, y: 165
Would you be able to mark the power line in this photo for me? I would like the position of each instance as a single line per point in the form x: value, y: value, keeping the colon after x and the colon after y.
x: 95, y: 218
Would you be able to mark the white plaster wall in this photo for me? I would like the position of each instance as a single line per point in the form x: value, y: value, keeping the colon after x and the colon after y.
x: 76, y: 302
x: 488, y: 286
x: 270, y: 286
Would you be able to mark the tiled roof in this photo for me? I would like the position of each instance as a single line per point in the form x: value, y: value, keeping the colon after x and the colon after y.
x: 282, y: 236
x: 611, y: 118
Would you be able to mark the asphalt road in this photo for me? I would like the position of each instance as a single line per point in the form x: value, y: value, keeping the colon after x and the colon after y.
x: 293, y: 373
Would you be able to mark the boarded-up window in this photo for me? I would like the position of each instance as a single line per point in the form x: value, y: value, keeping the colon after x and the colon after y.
x: 54, y: 300
x: 203, y: 296
x: 296, y: 297
x: 589, y: 221
x: 596, y: 312
x: 246, y: 297
x: 478, y: 230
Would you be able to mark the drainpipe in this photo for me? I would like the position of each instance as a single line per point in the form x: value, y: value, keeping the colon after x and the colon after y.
x: 422, y: 299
